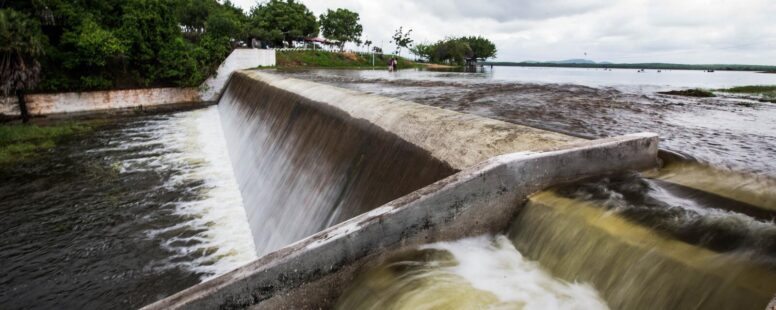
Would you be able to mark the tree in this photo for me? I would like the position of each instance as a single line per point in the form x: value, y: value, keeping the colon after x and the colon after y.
x: 423, y: 50
x: 148, y: 26
x: 224, y: 23
x: 341, y: 25
x: 453, y: 51
x: 401, y: 39
x: 367, y: 43
x: 482, y: 48
x: 21, y: 43
x: 281, y: 21
x: 193, y: 14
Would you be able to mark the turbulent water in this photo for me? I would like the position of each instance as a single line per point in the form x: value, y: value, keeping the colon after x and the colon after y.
x: 123, y: 216
x: 483, y: 272
x: 631, y: 236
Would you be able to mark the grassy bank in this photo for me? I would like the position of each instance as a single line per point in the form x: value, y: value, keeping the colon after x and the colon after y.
x: 766, y: 93
x: 696, y: 92
x: 22, y: 142
x: 325, y: 59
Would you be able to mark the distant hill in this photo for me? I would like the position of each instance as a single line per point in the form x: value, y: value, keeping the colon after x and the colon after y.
x: 584, y: 63
x: 573, y: 61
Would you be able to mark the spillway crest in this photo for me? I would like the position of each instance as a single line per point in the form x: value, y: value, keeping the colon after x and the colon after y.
x: 304, y: 166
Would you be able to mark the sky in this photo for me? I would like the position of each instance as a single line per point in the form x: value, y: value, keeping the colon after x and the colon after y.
x: 623, y: 31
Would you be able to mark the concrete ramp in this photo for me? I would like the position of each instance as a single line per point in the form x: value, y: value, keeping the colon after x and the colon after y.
x: 484, y: 198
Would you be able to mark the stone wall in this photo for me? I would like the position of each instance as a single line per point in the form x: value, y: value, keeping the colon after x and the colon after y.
x: 78, y: 103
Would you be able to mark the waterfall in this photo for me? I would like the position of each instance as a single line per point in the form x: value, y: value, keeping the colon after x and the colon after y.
x: 302, y: 166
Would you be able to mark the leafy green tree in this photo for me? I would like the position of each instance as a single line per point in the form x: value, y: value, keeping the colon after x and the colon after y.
x: 89, y: 48
x: 148, y: 26
x: 453, y: 51
x: 482, y: 48
x: 341, y: 25
x: 21, y: 43
x: 100, y: 44
x: 279, y: 21
x: 193, y: 14
x: 225, y: 23
x: 423, y: 50
x: 402, y: 39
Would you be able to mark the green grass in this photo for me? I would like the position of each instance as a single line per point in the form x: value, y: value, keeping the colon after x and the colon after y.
x: 696, y: 92
x: 325, y: 59
x: 21, y: 142
x: 766, y: 93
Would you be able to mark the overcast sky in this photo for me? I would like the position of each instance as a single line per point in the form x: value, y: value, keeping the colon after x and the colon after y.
x: 679, y: 31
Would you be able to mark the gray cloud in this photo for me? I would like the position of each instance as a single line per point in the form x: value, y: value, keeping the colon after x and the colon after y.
x: 508, y: 10
x: 687, y: 31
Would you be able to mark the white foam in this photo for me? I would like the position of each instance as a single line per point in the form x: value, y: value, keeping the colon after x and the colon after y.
x: 493, y: 264
x: 194, y: 145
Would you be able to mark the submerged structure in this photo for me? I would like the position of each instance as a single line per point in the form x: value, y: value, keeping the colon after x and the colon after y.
x: 336, y: 182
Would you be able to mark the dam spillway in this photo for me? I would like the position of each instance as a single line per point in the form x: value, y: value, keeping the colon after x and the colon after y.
x: 309, y: 156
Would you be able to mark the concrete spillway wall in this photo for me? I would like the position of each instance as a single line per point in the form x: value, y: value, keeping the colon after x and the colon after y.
x: 308, y: 156
x: 484, y: 198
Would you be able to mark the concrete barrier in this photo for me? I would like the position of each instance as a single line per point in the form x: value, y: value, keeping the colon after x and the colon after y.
x: 90, y: 102
x: 483, y: 198
x: 307, y: 155
x: 239, y: 59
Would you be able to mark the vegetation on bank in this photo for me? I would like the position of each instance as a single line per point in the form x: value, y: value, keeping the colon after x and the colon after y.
x: 696, y: 92
x: 456, y: 51
x: 64, y: 45
x: 23, y: 142
x: 764, y: 93
x: 326, y: 59
x: 650, y: 66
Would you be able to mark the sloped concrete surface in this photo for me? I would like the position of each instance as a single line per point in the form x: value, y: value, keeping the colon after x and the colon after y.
x: 483, y: 198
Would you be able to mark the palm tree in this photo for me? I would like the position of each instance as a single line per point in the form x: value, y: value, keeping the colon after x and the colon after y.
x: 21, y: 43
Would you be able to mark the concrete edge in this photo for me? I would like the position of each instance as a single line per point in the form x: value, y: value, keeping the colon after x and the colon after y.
x: 481, y: 199
x: 458, y: 139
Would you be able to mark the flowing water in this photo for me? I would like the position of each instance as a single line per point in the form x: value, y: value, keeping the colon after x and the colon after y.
x: 303, y: 168
x: 483, y: 272
x: 118, y: 218
x: 146, y: 206
x: 629, y: 236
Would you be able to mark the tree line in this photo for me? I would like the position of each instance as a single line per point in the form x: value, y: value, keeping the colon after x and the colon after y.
x: 104, y: 44
x: 66, y: 45
x: 457, y: 50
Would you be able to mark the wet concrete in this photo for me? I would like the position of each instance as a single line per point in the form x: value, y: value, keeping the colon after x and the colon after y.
x: 481, y: 199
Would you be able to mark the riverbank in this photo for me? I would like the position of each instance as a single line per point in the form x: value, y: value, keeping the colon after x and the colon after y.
x: 24, y: 142
x: 343, y: 60
x: 761, y: 93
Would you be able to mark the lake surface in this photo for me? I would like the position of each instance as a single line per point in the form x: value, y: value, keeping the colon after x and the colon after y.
x: 626, y: 78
